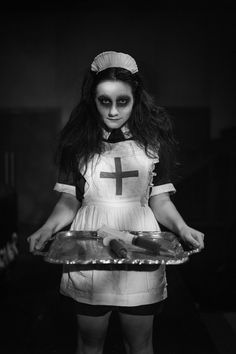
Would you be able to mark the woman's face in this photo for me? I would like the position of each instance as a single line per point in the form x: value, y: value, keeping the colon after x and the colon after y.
x: 114, y: 101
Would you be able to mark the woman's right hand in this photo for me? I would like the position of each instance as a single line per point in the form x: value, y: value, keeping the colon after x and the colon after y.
x: 39, y: 238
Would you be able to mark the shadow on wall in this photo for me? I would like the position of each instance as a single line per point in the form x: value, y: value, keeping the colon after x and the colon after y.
x: 29, y: 138
x: 206, y: 197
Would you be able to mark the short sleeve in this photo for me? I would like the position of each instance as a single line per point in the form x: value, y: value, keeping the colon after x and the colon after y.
x: 161, y: 181
x: 163, y: 188
x: 72, y: 183
x: 65, y: 183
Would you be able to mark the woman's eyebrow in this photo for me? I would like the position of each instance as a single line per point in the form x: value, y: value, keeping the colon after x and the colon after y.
x: 123, y: 96
x: 103, y: 96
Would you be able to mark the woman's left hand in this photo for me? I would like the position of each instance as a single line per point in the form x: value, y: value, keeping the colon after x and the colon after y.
x: 192, y: 237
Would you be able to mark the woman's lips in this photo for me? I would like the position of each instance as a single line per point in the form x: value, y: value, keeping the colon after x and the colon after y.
x: 114, y: 119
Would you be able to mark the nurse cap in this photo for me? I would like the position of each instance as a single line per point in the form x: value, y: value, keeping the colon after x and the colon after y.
x: 113, y: 59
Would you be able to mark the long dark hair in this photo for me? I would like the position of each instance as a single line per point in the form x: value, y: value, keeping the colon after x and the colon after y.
x: 82, y: 136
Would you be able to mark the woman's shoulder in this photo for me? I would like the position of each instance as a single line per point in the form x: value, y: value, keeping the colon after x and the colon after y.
x: 149, y: 152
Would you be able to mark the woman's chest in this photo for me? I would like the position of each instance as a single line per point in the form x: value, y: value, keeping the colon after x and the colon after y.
x: 122, y: 171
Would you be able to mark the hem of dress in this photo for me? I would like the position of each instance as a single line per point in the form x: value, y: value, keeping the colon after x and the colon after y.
x: 118, y: 300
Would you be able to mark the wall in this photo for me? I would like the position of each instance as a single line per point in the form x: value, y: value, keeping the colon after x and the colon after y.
x: 222, y: 74
x: 185, y: 56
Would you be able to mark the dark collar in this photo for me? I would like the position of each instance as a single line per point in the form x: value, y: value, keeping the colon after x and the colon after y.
x: 117, y: 135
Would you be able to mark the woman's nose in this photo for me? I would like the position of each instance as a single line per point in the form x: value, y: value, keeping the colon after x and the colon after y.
x: 113, y: 111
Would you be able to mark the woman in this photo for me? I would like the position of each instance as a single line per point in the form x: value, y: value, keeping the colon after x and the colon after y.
x: 115, y: 158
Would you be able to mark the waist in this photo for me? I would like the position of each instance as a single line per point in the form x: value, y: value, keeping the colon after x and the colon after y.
x: 113, y: 202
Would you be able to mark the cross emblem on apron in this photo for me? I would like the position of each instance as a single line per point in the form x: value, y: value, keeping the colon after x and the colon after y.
x: 118, y: 175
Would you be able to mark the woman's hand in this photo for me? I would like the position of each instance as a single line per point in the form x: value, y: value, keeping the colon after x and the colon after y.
x: 167, y: 214
x: 38, y: 239
x: 192, y: 237
x: 61, y: 216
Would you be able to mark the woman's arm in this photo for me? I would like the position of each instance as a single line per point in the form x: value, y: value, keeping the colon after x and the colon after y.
x: 62, y: 215
x: 167, y: 214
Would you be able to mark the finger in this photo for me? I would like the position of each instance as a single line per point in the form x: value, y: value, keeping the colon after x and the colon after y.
x: 42, y: 240
x: 31, y: 241
x: 196, y: 244
x: 192, y: 241
x: 201, y: 240
x: 199, y: 237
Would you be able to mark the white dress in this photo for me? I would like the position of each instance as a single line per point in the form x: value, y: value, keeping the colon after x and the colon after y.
x: 117, y: 190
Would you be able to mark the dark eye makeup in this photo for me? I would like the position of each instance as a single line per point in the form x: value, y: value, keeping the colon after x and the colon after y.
x: 104, y: 100
x: 120, y: 101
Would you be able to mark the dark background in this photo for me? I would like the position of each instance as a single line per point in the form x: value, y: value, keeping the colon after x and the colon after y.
x: 187, y: 58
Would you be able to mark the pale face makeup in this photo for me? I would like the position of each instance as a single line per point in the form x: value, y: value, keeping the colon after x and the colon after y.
x: 114, y: 101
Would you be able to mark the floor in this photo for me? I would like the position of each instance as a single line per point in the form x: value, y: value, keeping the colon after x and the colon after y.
x: 221, y: 327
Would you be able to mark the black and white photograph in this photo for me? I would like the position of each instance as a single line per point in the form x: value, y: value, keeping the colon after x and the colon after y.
x: 118, y: 177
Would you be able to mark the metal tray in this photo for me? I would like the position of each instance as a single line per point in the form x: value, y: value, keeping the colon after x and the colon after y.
x: 86, y: 247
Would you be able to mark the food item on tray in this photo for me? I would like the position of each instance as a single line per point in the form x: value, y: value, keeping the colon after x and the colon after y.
x: 108, y: 234
x: 150, y: 245
x: 118, y: 247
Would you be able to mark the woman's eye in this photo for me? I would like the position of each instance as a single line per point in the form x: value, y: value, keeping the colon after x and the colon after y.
x: 119, y: 102
x: 122, y: 102
x: 104, y: 101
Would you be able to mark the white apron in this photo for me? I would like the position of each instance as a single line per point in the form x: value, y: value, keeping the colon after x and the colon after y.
x: 116, y: 194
